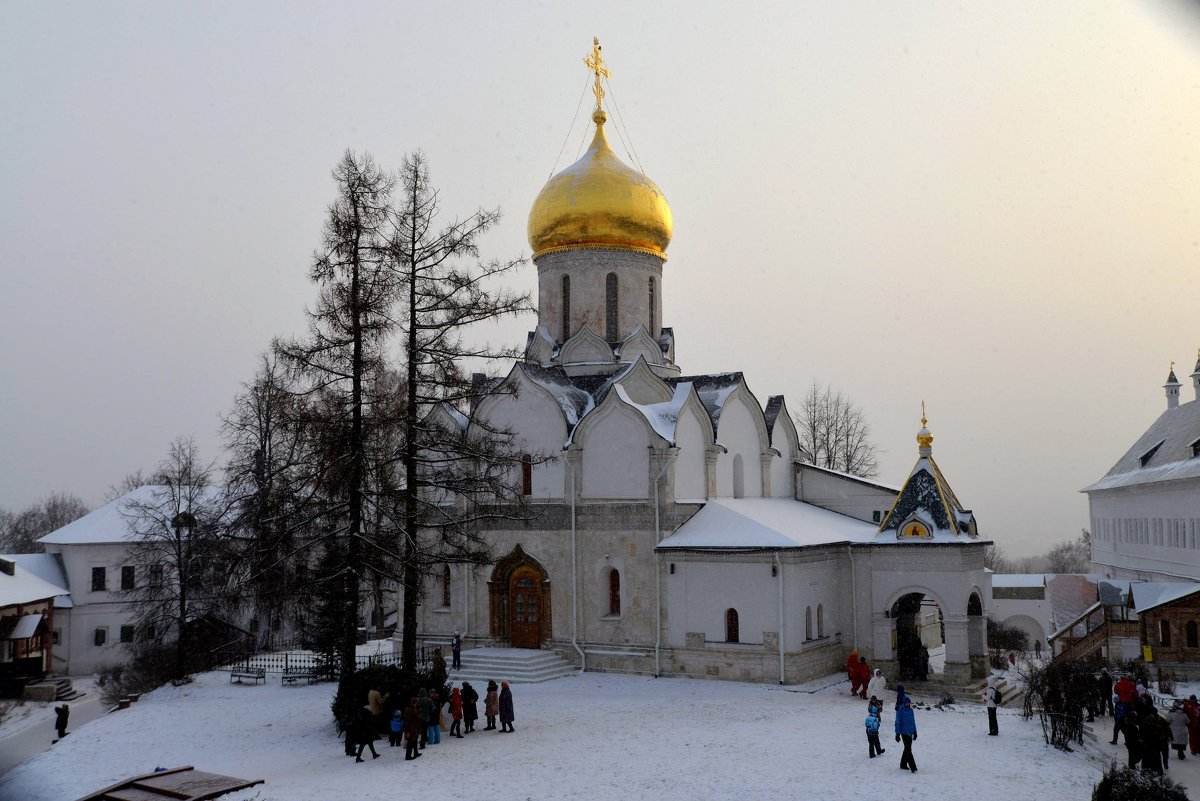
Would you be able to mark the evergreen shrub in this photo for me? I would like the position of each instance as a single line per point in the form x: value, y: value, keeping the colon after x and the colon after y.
x: 399, y: 684
x: 1122, y: 784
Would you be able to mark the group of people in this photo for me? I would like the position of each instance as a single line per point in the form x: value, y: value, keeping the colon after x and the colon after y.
x: 419, y: 723
x: 1149, y: 735
x: 867, y: 683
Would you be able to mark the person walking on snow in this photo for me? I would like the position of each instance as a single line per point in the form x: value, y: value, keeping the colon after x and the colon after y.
x: 506, y: 708
x: 877, y: 684
x: 397, y: 728
x: 61, y: 715
x: 852, y: 670
x: 993, y: 700
x: 873, y: 746
x: 456, y: 713
x: 1118, y: 717
x: 365, y: 733
x: 1125, y: 690
x: 456, y: 651
x: 1191, y: 708
x: 906, y: 730
x: 863, y: 677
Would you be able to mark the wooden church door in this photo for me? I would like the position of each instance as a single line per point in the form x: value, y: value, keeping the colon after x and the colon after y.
x: 525, y: 603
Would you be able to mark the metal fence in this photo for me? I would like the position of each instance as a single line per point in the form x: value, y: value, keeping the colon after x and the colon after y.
x: 303, y: 660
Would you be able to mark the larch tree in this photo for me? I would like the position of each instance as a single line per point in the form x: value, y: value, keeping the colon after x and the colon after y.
x: 835, y: 433
x: 457, y: 477
x: 335, y: 368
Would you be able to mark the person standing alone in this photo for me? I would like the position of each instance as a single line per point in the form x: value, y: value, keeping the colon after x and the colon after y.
x: 906, y: 730
x: 993, y: 700
x: 456, y: 651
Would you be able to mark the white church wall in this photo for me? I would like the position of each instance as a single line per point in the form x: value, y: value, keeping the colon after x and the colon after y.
x: 844, y: 495
x: 537, y: 423
x: 808, y: 585
x: 781, y: 470
x: 739, y: 433
x: 690, y: 482
x: 616, y: 456
x: 1147, y: 531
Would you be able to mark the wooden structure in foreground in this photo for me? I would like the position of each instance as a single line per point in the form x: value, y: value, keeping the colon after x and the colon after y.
x: 177, y: 784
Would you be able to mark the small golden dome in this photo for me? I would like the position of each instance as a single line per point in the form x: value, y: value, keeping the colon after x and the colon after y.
x: 600, y: 202
x: 924, y: 437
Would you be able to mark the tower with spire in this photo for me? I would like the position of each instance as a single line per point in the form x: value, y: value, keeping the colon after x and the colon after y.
x: 1172, y: 388
x: 926, y: 508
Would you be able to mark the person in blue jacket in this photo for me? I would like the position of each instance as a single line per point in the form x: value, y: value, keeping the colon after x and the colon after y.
x: 906, y: 730
x: 901, y: 698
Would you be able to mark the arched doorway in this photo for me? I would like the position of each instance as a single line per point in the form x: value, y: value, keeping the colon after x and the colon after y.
x: 976, y: 637
x: 519, y: 601
x: 919, y: 637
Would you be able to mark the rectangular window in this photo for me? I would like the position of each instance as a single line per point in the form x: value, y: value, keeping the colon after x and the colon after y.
x: 128, y: 575
x: 154, y: 575
x: 101, y: 637
x: 126, y: 633
x: 99, y: 582
x: 56, y: 637
x: 1164, y: 633
x: 526, y: 474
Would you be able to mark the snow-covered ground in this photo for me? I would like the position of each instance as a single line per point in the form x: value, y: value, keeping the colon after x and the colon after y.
x: 591, y: 736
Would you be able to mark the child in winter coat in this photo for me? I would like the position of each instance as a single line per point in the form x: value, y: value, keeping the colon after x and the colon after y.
x: 873, y: 746
x: 875, y: 707
x: 397, y: 728
x: 877, y: 684
x: 1118, y: 717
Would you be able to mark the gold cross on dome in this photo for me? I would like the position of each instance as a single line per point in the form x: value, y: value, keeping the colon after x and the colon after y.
x: 595, y: 63
x: 924, y: 421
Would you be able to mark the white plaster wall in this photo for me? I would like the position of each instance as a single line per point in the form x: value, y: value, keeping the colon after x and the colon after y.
x: 1121, y: 518
x: 781, y: 466
x: 805, y: 586
x: 690, y: 483
x: 93, y: 610
x: 843, y: 495
x: 616, y: 455
x: 538, y: 425
x: 699, y: 593
x: 738, y: 432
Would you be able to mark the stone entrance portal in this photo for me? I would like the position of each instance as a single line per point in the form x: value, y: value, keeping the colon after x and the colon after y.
x: 519, y: 601
x: 918, y: 635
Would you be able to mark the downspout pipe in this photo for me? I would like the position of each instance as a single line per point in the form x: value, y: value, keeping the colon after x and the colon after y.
x: 575, y: 578
x: 658, y: 577
x: 779, y: 572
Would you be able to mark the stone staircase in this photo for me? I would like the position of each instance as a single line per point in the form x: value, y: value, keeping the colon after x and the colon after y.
x: 62, y: 688
x: 514, y: 665
x: 931, y: 691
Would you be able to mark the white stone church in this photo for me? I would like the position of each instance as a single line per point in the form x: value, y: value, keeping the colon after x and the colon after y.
x: 680, y: 529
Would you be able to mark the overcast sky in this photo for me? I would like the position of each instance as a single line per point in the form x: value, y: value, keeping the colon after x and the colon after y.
x: 994, y: 207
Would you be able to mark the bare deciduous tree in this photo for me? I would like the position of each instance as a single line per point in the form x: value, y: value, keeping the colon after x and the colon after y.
x: 1072, y: 556
x: 19, y: 533
x: 181, y: 554
x: 835, y: 432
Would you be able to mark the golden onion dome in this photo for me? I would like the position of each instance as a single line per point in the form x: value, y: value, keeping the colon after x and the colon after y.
x: 600, y: 202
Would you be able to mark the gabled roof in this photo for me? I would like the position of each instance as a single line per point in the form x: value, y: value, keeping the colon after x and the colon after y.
x: 756, y: 523
x: 1177, y: 430
x: 927, y: 498
x: 47, y: 567
x: 25, y: 587
x: 1149, y: 594
x: 713, y: 390
x: 111, y: 523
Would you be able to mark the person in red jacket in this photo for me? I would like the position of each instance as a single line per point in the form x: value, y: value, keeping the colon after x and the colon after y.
x: 862, y: 677
x: 852, y: 670
x: 456, y: 713
x: 1126, y: 690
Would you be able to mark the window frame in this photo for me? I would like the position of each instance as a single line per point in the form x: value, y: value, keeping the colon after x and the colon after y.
x: 614, y: 593
x: 128, y: 577
x: 100, y: 573
x: 100, y: 636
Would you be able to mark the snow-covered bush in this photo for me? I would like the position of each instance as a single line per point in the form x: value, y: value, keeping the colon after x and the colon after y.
x: 1123, y: 784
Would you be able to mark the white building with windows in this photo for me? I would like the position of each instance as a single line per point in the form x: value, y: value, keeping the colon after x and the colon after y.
x: 1145, y: 512
x: 680, y: 528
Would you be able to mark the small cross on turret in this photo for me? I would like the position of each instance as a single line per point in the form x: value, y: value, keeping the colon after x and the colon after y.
x: 595, y: 63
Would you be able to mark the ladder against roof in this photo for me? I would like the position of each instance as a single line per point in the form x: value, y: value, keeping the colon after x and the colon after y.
x: 179, y: 784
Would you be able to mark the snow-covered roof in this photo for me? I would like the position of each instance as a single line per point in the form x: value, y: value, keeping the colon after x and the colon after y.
x: 870, y: 482
x: 713, y: 390
x: 661, y: 416
x: 1018, y: 579
x: 111, y: 522
x: 741, y: 523
x: 24, y: 587
x: 47, y: 567
x: 1174, y: 433
x: 1149, y: 594
x: 27, y: 626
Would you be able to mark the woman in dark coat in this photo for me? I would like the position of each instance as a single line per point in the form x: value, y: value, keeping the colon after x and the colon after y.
x: 470, y: 711
x: 491, y: 705
x: 365, y: 731
x: 506, y: 708
x: 413, y: 725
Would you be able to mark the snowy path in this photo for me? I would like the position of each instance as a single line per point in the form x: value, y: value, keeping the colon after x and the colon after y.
x: 592, y: 736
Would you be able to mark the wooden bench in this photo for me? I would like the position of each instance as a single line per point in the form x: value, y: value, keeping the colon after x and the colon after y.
x: 293, y: 675
x: 253, y: 674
